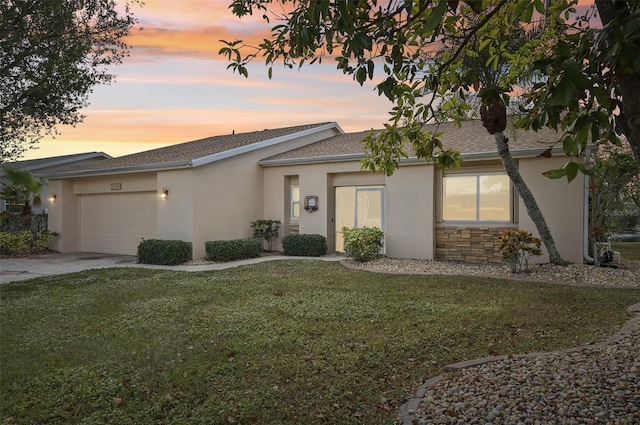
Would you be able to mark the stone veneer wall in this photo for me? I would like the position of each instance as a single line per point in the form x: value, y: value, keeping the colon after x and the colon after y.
x: 294, y: 229
x: 472, y: 244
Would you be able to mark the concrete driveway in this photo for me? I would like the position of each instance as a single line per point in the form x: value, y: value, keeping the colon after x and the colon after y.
x: 16, y: 269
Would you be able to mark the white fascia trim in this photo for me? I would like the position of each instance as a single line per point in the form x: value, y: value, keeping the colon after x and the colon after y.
x: 122, y: 170
x: 263, y: 144
x: 483, y: 156
x: 521, y: 153
x: 475, y: 156
x: 359, y: 156
x: 312, y: 160
x: 68, y: 160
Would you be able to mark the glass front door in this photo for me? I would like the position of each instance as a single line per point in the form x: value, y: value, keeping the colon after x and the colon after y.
x: 358, y: 206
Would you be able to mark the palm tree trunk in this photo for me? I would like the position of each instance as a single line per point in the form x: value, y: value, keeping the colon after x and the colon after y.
x: 527, y: 197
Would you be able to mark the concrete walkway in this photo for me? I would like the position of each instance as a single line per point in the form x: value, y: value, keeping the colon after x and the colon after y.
x: 16, y: 269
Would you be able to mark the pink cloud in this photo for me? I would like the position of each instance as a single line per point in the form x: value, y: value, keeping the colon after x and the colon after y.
x: 199, y: 42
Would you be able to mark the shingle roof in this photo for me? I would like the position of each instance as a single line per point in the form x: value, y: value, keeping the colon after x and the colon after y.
x: 471, y: 138
x: 189, y: 151
x: 44, y: 165
x: 342, y: 144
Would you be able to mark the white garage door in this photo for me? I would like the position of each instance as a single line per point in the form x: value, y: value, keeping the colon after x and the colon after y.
x: 115, y: 223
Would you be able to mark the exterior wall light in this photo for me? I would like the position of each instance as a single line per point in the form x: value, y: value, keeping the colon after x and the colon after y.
x: 52, y: 197
x: 165, y: 193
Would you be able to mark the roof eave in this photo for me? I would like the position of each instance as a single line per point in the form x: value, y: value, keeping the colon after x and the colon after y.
x: 311, y: 160
x: 516, y: 154
x: 471, y: 156
x: 121, y: 170
x: 56, y: 163
x: 82, y: 157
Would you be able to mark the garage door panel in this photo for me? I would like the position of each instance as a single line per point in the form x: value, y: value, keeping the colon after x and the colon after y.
x: 115, y: 223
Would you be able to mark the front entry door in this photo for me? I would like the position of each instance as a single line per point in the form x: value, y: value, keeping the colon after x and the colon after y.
x: 358, y: 206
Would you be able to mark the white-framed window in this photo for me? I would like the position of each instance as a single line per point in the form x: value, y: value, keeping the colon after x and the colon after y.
x: 295, y: 202
x: 476, y: 197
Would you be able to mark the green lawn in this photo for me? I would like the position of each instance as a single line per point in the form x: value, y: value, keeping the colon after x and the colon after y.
x: 628, y: 250
x: 306, y: 342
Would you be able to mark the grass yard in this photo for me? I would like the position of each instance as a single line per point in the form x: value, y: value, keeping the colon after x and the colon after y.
x: 306, y: 342
x: 628, y: 250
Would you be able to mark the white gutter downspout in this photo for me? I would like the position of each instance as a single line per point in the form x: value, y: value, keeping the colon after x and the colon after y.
x: 585, y: 216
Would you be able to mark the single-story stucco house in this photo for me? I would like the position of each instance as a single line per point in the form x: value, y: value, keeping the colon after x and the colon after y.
x: 310, y: 178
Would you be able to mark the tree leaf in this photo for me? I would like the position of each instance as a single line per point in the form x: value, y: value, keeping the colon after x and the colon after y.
x: 361, y: 75
x: 563, y: 93
x: 540, y: 7
x: 370, y: 68
x: 572, y: 169
x: 568, y: 145
x: 476, y: 5
x: 484, y: 44
x: 435, y: 18
x: 574, y: 72
x: 528, y: 13
x: 555, y: 174
x: 546, y: 154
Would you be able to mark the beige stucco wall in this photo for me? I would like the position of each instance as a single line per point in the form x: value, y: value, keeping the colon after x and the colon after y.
x: 175, y: 213
x: 315, y: 180
x: 275, y: 189
x: 228, y: 195
x: 409, y: 210
x: 408, y: 202
x: 561, y: 204
x: 409, y: 199
x: 138, y: 182
x: 64, y: 216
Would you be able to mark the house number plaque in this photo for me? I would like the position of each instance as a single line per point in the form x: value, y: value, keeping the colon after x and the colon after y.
x: 116, y: 186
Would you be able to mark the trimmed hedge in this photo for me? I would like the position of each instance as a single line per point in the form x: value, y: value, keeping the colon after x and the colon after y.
x: 362, y: 244
x: 164, y: 252
x: 304, y: 245
x: 235, y: 249
x: 14, y: 223
x: 25, y: 242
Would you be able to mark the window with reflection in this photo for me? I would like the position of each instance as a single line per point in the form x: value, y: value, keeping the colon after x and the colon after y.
x: 476, y: 197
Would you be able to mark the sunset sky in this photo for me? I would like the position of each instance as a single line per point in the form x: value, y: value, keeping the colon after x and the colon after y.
x: 174, y: 87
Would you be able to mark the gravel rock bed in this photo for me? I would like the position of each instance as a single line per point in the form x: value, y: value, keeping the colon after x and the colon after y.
x: 626, y: 276
x: 597, y: 385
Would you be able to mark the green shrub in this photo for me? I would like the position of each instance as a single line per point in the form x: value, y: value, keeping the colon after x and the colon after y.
x: 164, y: 252
x: 516, y: 247
x: 235, y: 249
x: 362, y: 244
x: 17, y: 243
x: 266, y: 230
x: 42, y: 240
x: 304, y: 245
x: 25, y: 242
